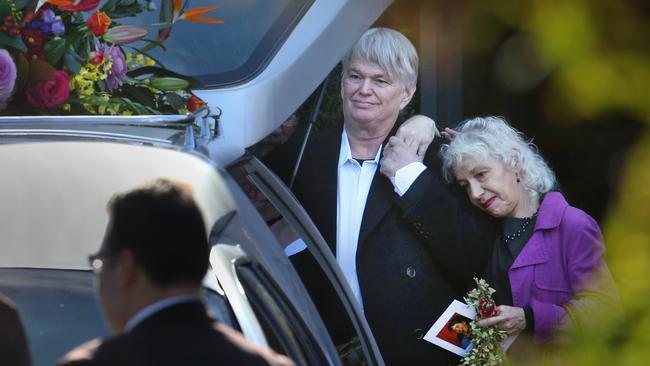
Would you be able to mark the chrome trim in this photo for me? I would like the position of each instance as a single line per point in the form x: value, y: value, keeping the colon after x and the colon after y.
x: 148, y: 120
x: 223, y: 259
x: 85, y: 134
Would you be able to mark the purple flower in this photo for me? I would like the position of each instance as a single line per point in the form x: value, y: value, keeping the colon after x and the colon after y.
x: 119, y: 67
x: 7, y: 77
x: 49, y: 24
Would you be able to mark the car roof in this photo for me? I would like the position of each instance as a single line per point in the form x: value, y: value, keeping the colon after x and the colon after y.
x: 54, y: 195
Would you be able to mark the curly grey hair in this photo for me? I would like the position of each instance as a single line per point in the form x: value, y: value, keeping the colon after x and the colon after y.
x: 389, y: 49
x: 492, y: 137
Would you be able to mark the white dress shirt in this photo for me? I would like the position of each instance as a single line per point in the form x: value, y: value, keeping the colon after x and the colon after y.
x: 353, y: 185
x: 405, y: 176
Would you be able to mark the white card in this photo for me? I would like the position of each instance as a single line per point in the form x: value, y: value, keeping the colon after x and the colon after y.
x: 442, y: 332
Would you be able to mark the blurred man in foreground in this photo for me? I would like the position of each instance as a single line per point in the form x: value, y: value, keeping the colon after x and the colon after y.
x: 14, y: 350
x: 149, y: 272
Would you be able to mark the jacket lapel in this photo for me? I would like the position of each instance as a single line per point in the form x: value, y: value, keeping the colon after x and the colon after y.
x: 377, y: 205
x: 380, y: 198
x: 319, y: 173
x: 550, y: 214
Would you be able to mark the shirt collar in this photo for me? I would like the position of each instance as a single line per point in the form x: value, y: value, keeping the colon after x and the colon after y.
x: 156, y: 307
x: 345, y: 154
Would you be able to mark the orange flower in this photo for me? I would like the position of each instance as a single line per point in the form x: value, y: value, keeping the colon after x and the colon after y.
x: 195, y: 103
x: 98, y: 23
x: 193, y: 14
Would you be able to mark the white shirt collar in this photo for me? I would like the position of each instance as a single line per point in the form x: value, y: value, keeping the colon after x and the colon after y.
x: 156, y: 307
x: 345, y: 153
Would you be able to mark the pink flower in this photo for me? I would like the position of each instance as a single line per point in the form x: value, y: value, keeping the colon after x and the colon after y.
x: 7, y: 77
x: 49, y: 93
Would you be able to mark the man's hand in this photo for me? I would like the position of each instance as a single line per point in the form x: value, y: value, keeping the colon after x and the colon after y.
x: 511, y: 319
x: 418, y: 132
x: 397, y: 155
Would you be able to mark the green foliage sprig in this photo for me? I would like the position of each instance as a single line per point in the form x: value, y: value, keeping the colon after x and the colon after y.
x: 487, y: 349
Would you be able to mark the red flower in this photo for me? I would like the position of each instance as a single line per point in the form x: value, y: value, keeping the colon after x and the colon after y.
x: 96, y: 57
x: 194, y: 103
x: 487, y: 309
x: 33, y: 38
x: 78, y: 5
x: 49, y: 93
x: 35, y: 53
x: 98, y: 23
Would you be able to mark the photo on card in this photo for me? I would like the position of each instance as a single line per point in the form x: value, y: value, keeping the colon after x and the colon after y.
x: 452, y: 330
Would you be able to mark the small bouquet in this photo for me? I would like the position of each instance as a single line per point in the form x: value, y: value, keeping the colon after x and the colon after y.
x: 75, y: 57
x: 487, y: 341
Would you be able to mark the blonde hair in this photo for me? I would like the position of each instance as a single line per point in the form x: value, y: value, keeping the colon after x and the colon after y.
x: 389, y: 49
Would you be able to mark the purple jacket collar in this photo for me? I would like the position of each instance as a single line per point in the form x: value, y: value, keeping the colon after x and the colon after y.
x: 549, y: 216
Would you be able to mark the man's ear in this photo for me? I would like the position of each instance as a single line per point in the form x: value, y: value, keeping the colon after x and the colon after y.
x: 126, y: 268
x: 407, y: 96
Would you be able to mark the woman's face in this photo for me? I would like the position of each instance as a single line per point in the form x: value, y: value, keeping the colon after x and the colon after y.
x: 492, y: 186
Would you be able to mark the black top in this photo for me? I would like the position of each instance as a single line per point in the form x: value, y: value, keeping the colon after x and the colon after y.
x: 506, y: 249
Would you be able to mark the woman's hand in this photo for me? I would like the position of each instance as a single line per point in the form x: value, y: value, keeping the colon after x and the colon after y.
x: 417, y: 133
x: 509, y: 318
x: 448, y: 133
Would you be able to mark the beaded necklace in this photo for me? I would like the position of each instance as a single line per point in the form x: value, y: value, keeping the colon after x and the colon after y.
x: 525, y: 222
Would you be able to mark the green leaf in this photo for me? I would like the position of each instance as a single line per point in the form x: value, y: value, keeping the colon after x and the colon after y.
x: 15, y: 42
x: 125, y: 9
x: 151, y: 44
x: 160, y: 72
x: 55, y: 49
x: 109, y: 6
x: 175, y: 100
x: 72, y: 61
x: 20, y: 4
x: 159, y: 25
x: 142, y: 96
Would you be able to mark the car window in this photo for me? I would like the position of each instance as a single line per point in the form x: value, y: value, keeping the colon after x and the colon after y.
x: 231, y: 52
x: 285, y: 331
x: 307, y: 252
x: 58, y: 309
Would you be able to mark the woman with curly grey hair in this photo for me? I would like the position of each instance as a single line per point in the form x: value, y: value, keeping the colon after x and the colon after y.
x: 547, y: 252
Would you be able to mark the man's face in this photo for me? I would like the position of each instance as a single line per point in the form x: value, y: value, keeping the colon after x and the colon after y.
x: 371, y: 96
x: 106, y: 284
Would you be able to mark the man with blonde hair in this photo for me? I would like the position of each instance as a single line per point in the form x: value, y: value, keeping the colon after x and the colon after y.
x: 372, y: 223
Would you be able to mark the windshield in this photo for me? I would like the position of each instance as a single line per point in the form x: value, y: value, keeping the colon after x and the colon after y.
x: 230, y: 52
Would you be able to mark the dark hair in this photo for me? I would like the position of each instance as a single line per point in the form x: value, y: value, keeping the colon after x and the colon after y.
x: 455, y: 320
x: 163, y: 227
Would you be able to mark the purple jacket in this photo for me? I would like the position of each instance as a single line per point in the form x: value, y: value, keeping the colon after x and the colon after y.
x: 564, y: 252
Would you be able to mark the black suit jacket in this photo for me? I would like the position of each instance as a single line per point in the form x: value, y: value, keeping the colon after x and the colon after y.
x: 411, y: 262
x: 181, y: 334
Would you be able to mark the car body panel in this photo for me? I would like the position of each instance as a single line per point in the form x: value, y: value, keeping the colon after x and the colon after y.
x: 251, y: 111
x: 42, y: 182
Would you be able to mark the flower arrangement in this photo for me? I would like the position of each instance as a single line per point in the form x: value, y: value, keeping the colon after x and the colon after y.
x: 75, y: 57
x: 487, y: 341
